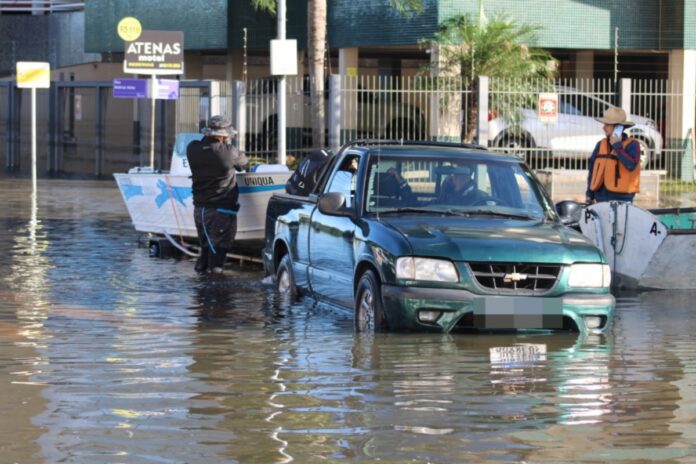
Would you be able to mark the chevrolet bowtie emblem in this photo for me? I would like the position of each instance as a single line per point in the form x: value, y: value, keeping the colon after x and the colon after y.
x: 514, y: 277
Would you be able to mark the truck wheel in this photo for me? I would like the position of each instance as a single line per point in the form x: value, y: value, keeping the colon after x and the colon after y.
x: 369, y: 313
x: 285, y: 281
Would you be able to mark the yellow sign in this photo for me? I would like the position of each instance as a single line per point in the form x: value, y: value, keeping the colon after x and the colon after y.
x: 33, y: 74
x: 129, y: 29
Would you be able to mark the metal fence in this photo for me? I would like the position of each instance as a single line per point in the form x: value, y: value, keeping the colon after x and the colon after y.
x: 83, y: 130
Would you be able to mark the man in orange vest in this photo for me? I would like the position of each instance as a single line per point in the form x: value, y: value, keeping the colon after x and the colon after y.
x: 614, y: 167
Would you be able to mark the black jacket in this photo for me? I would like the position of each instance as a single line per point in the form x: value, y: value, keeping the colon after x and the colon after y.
x: 213, y: 166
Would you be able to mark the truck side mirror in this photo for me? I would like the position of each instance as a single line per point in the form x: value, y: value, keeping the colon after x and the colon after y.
x: 569, y: 212
x: 334, y: 204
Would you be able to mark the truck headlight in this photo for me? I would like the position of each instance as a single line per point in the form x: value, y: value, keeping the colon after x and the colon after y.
x: 589, y: 275
x: 437, y: 270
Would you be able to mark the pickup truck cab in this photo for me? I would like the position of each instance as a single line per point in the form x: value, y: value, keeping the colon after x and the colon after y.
x: 384, y: 235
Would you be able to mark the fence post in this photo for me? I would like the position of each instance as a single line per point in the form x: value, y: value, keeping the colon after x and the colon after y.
x: 60, y: 126
x: 16, y: 134
x: 239, y: 112
x: 8, y: 140
x: 162, y: 157
x: 99, y: 113
x: 335, y: 101
x: 482, y: 132
x: 625, y: 95
x: 50, y: 149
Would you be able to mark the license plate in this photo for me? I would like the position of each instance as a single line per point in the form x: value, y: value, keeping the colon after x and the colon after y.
x: 518, y: 353
x: 500, y: 312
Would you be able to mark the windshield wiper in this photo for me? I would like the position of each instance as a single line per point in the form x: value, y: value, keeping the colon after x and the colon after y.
x: 489, y: 212
x: 415, y: 210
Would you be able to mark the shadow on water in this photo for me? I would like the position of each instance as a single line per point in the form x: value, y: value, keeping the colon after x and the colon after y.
x: 107, y: 355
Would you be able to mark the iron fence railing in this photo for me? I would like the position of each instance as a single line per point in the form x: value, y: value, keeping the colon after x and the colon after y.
x: 85, y: 131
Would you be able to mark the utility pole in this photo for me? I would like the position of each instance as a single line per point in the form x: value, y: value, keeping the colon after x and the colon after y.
x: 281, y: 89
x: 616, y: 54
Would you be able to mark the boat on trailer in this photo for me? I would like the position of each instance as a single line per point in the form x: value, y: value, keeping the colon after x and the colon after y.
x: 653, y: 249
x: 161, y: 203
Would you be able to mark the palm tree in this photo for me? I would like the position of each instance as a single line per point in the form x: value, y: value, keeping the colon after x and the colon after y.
x: 494, y: 48
x: 316, y: 24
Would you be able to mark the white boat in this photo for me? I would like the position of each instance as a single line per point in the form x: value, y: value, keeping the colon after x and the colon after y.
x: 162, y: 203
x: 646, y: 249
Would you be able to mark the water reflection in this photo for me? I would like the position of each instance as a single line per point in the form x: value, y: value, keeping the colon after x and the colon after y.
x: 111, y: 356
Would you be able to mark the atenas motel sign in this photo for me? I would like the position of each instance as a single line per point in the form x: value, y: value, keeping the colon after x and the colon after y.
x: 155, y: 52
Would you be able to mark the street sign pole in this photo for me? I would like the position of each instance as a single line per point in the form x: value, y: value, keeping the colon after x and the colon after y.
x: 33, y: 75
x: 152, y: 122
x: 281, y: 89
x: 33, y: 142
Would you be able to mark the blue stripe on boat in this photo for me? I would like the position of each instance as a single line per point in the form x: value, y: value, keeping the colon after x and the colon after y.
x: 261, y: 188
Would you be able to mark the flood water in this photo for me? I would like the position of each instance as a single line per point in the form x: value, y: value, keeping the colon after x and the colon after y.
x: 110, y: 356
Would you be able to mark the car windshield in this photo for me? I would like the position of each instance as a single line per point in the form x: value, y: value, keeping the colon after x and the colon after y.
x: 454, y: 185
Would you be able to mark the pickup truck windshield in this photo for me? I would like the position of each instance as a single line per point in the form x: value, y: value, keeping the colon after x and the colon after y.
x: 453, y: 184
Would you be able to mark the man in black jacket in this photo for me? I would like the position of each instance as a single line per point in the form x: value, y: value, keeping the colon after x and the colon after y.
x: 213, y: 162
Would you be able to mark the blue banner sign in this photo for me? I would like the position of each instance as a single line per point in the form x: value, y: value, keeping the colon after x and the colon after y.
x: 167, y: 89
x: 130, y: 88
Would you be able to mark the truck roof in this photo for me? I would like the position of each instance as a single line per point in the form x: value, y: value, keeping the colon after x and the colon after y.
x: 431, y: 150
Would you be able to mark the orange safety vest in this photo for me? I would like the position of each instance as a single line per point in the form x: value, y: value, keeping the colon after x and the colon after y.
x: 611, y: 173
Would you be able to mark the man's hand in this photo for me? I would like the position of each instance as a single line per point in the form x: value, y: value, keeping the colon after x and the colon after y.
x: 614, y: 139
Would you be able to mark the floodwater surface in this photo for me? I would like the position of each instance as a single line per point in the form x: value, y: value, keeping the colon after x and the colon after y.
x: 110, y: 356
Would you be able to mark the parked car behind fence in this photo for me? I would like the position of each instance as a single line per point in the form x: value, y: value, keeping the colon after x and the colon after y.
x: 573, y: 136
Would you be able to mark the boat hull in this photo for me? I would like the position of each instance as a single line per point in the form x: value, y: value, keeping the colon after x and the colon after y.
x: 644, y: 250
x: 163, y: 203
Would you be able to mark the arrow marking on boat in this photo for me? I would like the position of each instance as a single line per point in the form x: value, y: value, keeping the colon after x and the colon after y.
x: 180, y: 194
x: 130, y: 191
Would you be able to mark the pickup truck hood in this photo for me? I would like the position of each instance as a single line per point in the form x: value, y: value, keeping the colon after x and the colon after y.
x: 493, y: 239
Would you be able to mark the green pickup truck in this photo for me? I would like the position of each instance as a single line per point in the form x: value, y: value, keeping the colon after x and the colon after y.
x: 438, y: 237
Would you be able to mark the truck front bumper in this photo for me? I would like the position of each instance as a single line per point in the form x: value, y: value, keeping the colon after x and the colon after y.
x: 442, y: 310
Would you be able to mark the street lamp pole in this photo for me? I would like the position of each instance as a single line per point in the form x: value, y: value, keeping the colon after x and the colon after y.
x: 281, y: 89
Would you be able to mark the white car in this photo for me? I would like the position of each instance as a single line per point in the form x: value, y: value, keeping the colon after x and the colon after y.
x: 576, y: 132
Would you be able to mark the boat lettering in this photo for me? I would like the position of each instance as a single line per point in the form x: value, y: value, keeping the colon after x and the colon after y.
x: 588, y: 215
x: 256, y: 181
x: 653, y: 229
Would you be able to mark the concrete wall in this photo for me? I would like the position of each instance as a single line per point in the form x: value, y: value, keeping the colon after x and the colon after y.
x: 355, y: 23
x: 204, y: 22
x: 26, y: 38
x: 578, y: 24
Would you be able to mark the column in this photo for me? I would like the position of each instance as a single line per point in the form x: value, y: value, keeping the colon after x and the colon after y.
x: 681, y: 112
x: 349, y: 89
x: 234, y: 66
x: 584, y: 70
x: 193, y: 65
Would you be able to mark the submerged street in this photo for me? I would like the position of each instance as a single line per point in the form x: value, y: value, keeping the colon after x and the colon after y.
x: 108, y: 355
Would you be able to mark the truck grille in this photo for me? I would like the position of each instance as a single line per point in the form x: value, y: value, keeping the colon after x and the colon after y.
x: 519, y: 278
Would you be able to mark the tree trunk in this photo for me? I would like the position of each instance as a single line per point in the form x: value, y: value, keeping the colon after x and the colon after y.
x: 316, y: 20
x: 470, y: 107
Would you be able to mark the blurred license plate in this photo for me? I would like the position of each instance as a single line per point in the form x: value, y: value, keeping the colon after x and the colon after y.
x: 519, y: 352
x: 497, y: 312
